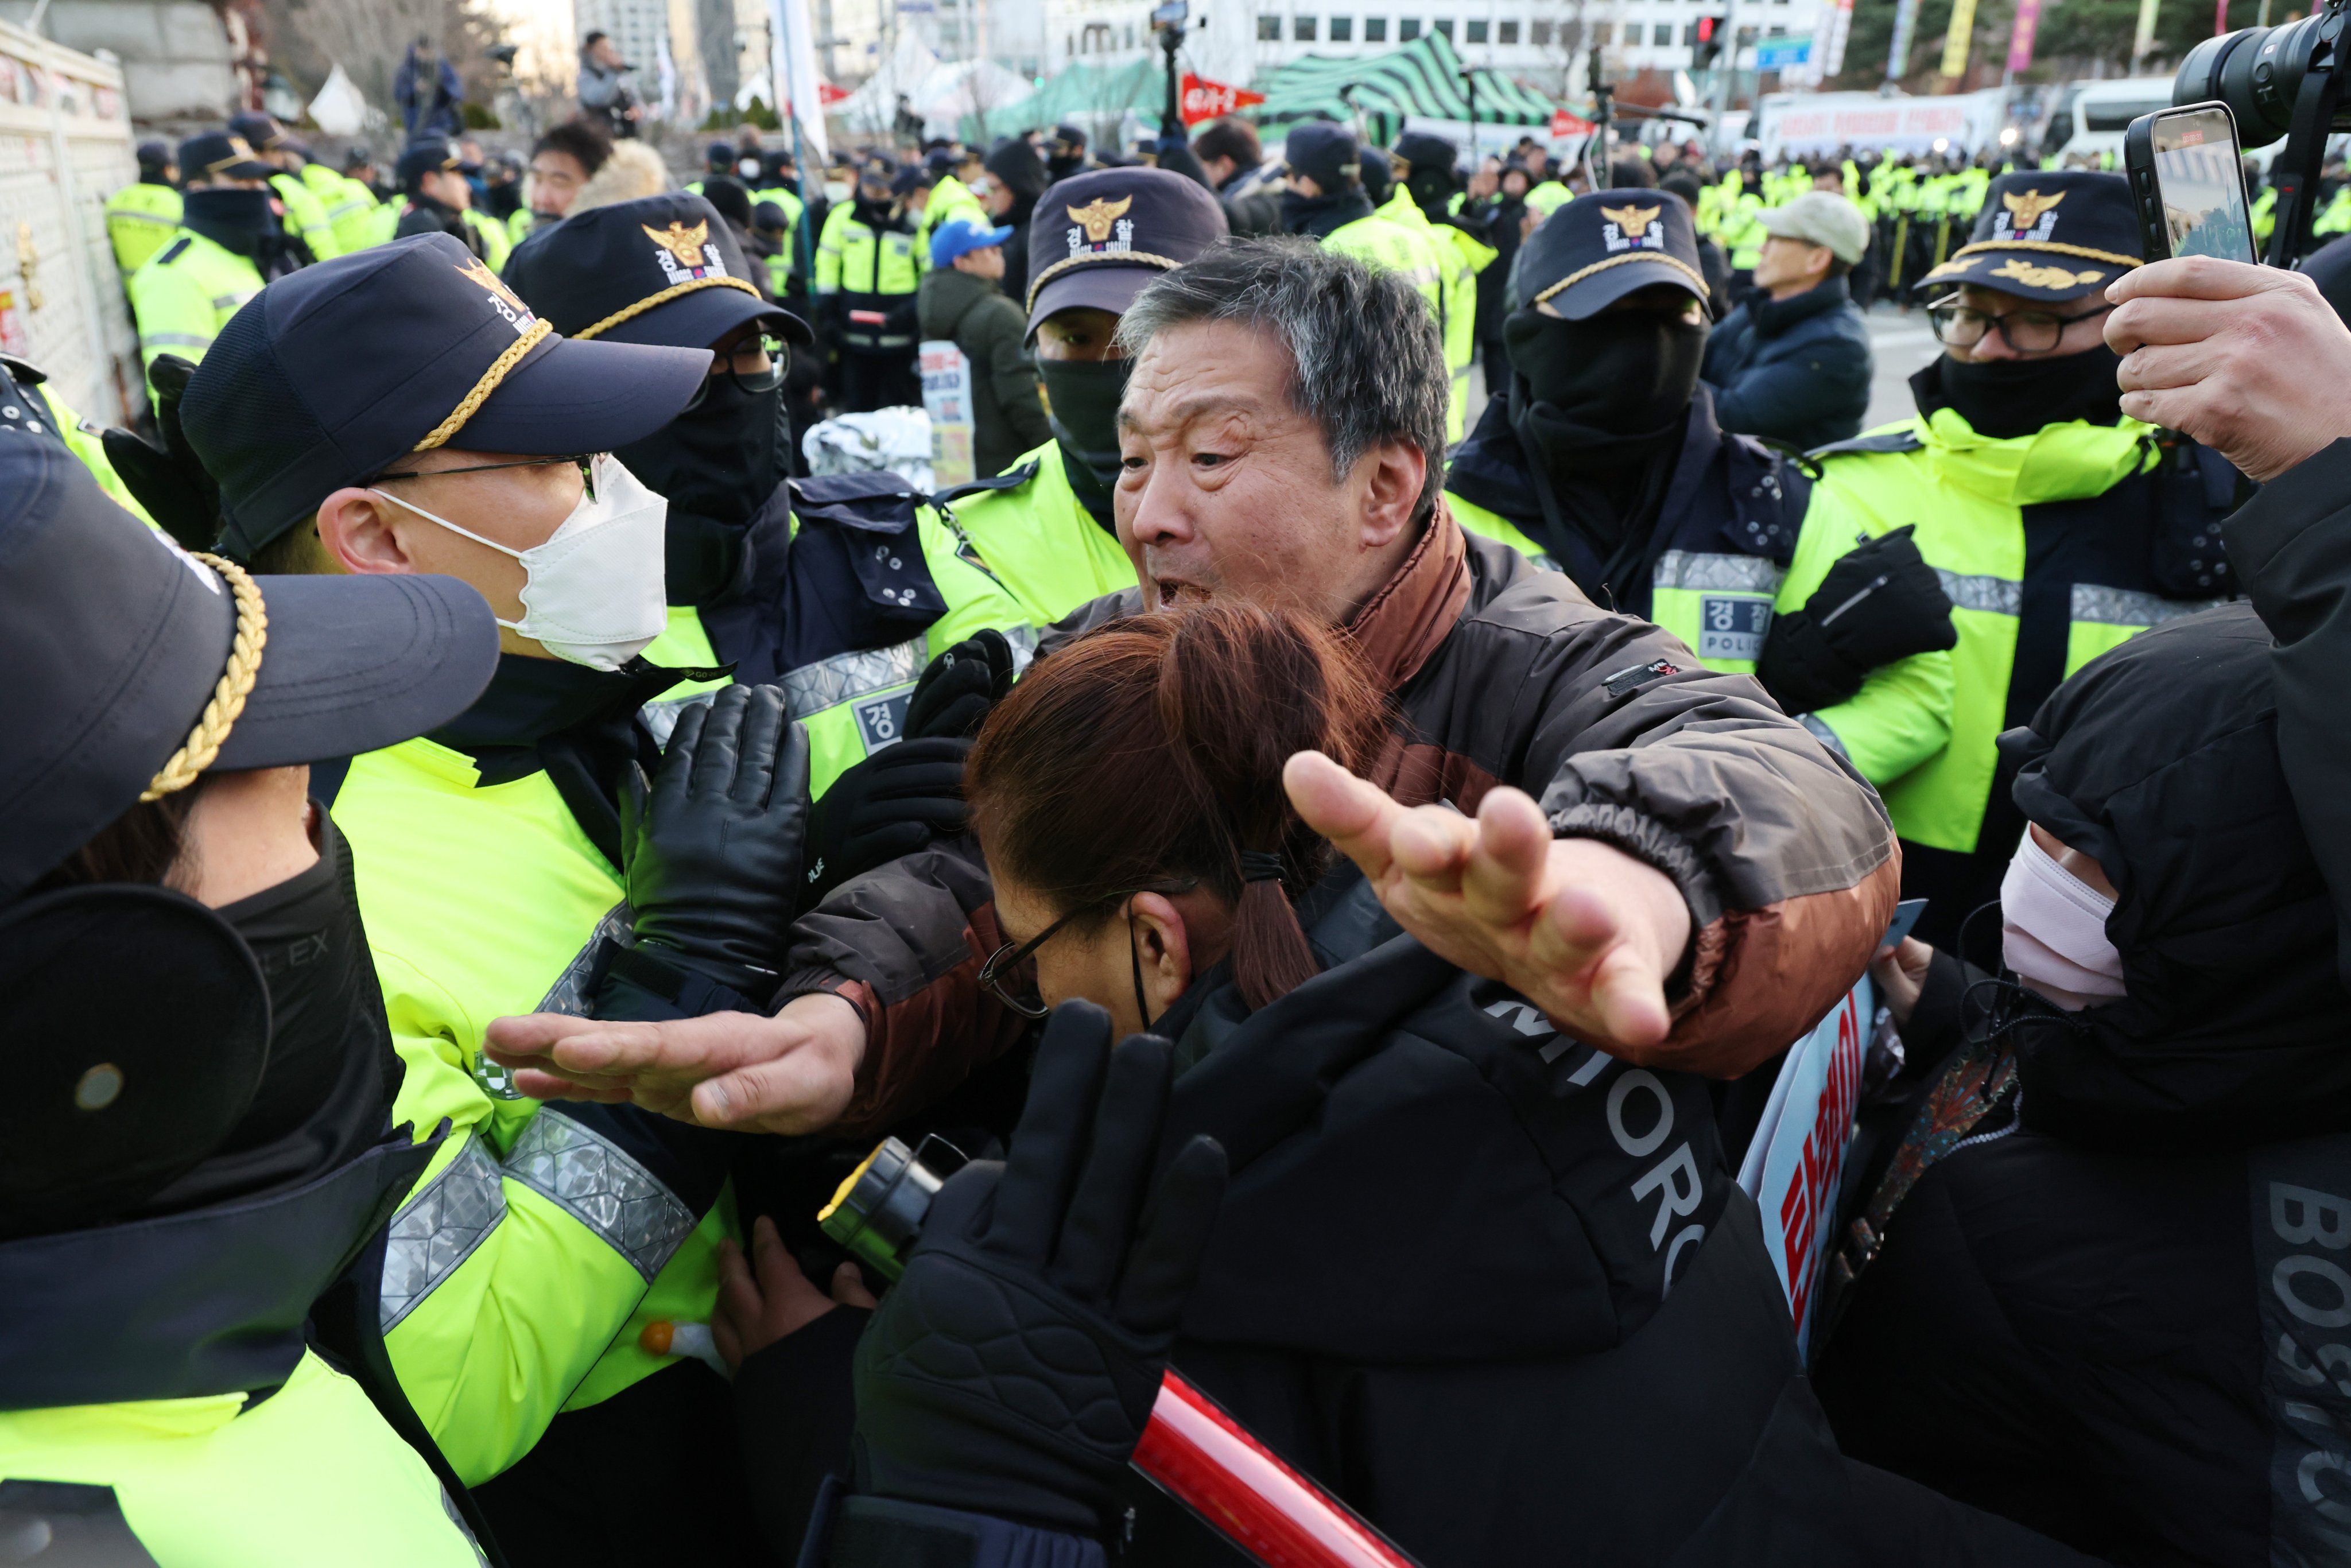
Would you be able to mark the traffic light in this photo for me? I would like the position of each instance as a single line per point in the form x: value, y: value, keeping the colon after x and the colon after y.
x: 1709, y: 43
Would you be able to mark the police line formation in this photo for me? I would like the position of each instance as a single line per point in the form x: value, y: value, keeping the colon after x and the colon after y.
x: 492, y: 852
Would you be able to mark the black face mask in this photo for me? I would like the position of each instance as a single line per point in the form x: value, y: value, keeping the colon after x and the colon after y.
x: 1431, y: 190
x: 1622, y: 373
x: 1321, y: 217
x: 874, y: 214
x: 1085, y: 395
x: 2006, y: 398
x: 323, y: 1000
x: 715, y: 463
x: 241, y: 221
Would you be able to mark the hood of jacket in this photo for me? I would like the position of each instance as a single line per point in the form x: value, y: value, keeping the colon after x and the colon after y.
x: 2160, y: 760
x: 1424, y: 1170
x: 633, y: 171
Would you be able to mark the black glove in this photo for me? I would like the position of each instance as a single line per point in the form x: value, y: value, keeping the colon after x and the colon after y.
x: 1012, y: 1370
x: 1881, y: 602
x: 959, y: 686
x: 713, y: 846
x: 892, y: 804
x: 168, y: 480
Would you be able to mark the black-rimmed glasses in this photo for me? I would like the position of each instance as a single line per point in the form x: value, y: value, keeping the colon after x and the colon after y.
x: 758, y: 365
x: 1012, y: 955
x: 584, y: 460
x: 1961, y: 326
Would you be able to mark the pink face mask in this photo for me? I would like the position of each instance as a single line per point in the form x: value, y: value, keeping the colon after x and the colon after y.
x: 2053, y: 931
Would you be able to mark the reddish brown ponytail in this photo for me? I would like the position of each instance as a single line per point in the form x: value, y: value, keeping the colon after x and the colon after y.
x: 1151, y: 749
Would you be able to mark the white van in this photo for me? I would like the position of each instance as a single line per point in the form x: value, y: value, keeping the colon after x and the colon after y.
x: 2091, y: 116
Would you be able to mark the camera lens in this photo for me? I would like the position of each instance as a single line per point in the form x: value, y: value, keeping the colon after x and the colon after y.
x: 2256, y: 71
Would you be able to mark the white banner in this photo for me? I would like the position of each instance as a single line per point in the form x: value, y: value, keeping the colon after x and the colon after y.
x: 1795, y: 124
x: 794, y: 47
x: 1795, y: 1166
x: 947, y: 398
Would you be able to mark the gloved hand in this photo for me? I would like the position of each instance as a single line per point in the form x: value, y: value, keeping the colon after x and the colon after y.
x: 712, y: 847
x: 1879, y: 603
x: 168, y: 480
x: 959, y: 686
x: 1012, y: 1370
x: 892, y: 804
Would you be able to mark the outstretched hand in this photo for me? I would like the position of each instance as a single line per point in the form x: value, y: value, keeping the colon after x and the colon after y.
x: 1580, y: 929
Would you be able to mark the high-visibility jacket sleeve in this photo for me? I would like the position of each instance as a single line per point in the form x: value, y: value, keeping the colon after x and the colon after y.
x: 82, y: 438
x: 1900, y: 717
x: 519, y: 1254
x: 306, y: 215
x: 174, y: 311
x: 828, y: 251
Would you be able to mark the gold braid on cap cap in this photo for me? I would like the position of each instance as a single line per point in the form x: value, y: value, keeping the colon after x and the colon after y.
x: 1102, y: 258
x: 228, y: 697
x: 486, y: 386
x: 1573, y: 278
x: 664, y: 297
x: 2113, y: 257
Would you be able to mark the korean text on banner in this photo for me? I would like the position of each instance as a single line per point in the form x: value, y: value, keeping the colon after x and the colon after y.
x: 947, y: 398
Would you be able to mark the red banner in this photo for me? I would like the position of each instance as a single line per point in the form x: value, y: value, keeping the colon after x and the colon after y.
x: 1565, y: 124
x: 1213, y: 100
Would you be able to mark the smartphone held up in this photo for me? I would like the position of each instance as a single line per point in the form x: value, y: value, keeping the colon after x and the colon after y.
x: 2186, y: 175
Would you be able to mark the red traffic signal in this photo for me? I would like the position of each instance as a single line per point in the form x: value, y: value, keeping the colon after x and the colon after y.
x: 1708, y: 42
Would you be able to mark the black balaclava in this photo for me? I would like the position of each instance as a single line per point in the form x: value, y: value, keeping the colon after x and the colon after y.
x: 2005, y: 398
x: 243, y: 221
x: 1431, y: 190
x: 1600, y: 406
x: 717, y: 465
x: 1084, y: 395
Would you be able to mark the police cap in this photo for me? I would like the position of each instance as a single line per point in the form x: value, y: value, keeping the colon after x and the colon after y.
x: 659, y: 269
x: 1598, y: 248
x: 430, y: 156
x: 2049, y: 235
x: 116, y: 641
x: 718, y: 156
x: 1325, y: 153
x: 217, y: 155
x: 261, y: 132
x: 332, y: 371
x: 1123, y: 228
x: 1426, y: 150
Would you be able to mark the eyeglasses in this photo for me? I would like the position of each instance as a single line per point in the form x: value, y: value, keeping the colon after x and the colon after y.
x: 756, y: 365
x: 1012, y: 955
x: 2026, y: 332
x: 585, y: 462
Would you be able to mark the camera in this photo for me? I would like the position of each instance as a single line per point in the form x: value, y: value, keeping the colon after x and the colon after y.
x: 2278, y: 81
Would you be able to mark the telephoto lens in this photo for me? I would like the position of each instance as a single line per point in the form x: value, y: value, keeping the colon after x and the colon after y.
x: 2258, y: 72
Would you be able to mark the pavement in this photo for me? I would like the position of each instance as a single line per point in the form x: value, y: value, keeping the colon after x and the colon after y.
x: 1903, y: 344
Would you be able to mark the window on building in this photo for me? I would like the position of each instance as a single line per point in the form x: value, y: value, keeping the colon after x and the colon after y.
x: 1689, y: 35
x: 1376, y: 29
x: 1476, y: 32
x: 1301, y: 29
x: 1445, y: 26
x: 1268, y: 30
x: 1069, y: 43
x: 1505, y: 32
x: 1130, y: 34
x: 1407, y: 29
x: 1342, y: 29
x: 1539, y: 34
x: 1662, y: 35
x: 1775, y: 32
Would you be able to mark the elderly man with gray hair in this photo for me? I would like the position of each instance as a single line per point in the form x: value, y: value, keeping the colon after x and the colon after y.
x: 1794, y: 362
x: 1650, y: 854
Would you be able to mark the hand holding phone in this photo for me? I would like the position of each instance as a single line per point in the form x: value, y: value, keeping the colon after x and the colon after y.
x: 2187, y: 177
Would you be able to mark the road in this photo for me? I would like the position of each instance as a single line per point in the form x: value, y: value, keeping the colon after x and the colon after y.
x: 1903, y: 344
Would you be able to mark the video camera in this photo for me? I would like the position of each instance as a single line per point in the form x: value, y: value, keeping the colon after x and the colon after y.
x: 2278, y: 81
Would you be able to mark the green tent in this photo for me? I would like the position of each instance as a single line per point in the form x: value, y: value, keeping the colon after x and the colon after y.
x: 1090, y: 94
x: 1422, y: 80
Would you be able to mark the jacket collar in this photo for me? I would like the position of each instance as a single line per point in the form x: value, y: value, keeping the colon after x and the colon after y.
x: 1774, y: 316
x: 1404, y: 622
x: 2067, y: 462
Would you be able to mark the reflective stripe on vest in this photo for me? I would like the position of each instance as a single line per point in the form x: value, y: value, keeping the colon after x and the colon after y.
x: 1993, y: 595
x: 438, y: 1229
x: 602, y: 1186
x: 2130, y: 607
x: 1737, y: 573
x: 852, y: 678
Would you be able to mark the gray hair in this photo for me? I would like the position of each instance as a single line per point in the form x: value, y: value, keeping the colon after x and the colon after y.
x: 1366, y: 362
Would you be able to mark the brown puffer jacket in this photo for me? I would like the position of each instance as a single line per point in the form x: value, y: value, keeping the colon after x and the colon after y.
x: 1503, y: 673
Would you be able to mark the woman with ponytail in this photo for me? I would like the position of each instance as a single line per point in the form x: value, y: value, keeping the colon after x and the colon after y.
x: 1496, y: 1289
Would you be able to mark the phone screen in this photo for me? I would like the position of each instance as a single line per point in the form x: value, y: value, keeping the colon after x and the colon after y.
x: 2203, y: 190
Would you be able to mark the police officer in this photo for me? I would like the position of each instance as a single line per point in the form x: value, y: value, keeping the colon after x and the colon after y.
x: 305, y: 214
x: 351, y: 204
x: 1604, y: 460
x: 951, y: 198
x: 229, y: 242
x: 30, y: 406
x: 140, y: 216
x: 439, y: 199
x: 1043, y: 527
x: 2059, y: 527
x: 197, y: 1056
x: 1065, y: 151
x: 802, y: 602
x: 1428, y: 187
x: 866, y: 276
x: 718, y: 164
x: 1326, y: 201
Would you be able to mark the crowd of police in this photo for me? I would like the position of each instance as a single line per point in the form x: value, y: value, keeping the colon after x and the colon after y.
x: 493, y: 844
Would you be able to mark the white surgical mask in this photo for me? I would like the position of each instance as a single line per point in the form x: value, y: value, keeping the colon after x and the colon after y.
x: 2052, y: 928
x: 594, y: 592
x: 749, y: 168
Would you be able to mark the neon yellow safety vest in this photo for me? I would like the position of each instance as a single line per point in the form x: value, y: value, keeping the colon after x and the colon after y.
x: 1743, y: 235
x: 1027, y: 529
x: 950, y: 199
x: 1460, y: 257
x: 82, y: 438
x: 1547, y: 198
x: 495, y: 245
x: 306, y: 215
x: 520, y: 221
x: 186, y: 293
x: 851, y: 258
x: 1385, y: 246
x: 347, y: 202
x: 139, y: 220
x: 1966, y: 494
x: 310, y: 1474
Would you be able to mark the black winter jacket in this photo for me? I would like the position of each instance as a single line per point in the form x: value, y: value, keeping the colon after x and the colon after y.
x: 2107, y: 1314
x: 1794, y: 369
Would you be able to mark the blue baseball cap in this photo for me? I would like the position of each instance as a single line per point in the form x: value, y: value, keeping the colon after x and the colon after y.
x: 961, y: 236
x: 332, y: 371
